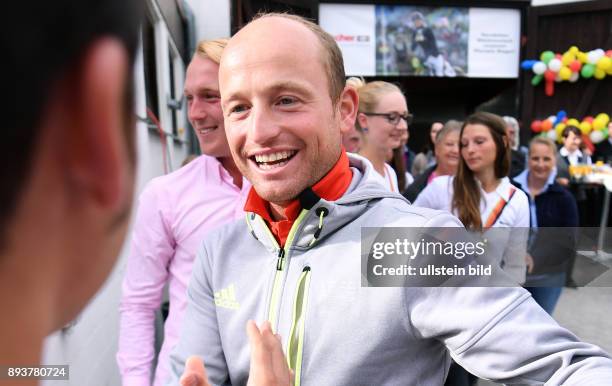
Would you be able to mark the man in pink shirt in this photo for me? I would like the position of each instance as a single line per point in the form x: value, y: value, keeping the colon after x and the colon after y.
x: 175, y: 212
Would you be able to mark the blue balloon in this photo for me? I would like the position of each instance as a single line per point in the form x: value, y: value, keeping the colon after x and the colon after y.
x: 560, y: 115
x: 528, y: 64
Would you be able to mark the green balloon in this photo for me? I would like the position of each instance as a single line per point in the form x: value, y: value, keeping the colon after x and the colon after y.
x: 547, y: 56
x: 537, y: 79
x: 587, y: 70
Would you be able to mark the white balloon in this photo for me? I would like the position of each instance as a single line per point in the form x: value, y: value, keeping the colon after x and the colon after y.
x: 552, y: 118
x: 596, y: 136
x: 592, y: 57
x: 539, y: 68
x: 574, y: 77
x: 555, y: 65
x: 552, y: 134
x: 599, y: 53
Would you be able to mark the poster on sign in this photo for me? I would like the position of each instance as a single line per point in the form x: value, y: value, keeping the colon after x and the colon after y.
x: 384, y: 40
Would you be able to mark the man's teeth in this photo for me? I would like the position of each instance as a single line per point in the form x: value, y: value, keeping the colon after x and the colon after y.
x: 273, y: 157
x: 271, y: 166
x: 207, y: 129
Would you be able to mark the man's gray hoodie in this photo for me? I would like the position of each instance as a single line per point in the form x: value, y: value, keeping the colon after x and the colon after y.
x: 336, y: 332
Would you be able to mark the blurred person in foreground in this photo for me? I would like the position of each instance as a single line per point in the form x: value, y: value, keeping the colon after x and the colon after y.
x: 295, y: 259
x: 550, y: 206
x: 175, y: 212
x: 446, y: 159
x: 68, y: 163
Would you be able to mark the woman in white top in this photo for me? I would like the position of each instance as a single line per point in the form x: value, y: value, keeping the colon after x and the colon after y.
x: 382, y: 119
x: 481, y: 194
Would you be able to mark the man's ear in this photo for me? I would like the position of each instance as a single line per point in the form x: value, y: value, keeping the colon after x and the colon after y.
x: 363, y: 121
x: 348, y: 105
x: 97, y: 155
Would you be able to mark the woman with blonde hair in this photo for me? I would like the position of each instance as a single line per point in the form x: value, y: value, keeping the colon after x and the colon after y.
x: 383, y: 120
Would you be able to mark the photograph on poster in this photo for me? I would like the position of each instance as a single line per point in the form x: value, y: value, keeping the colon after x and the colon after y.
x: 422, y: 41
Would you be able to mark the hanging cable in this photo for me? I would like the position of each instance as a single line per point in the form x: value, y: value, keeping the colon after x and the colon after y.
x: 162, y: 137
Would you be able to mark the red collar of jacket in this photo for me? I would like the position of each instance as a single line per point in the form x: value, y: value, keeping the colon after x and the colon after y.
x: 331, y: 187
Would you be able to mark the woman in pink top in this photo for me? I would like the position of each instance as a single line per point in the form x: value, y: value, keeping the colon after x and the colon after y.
x: 175, y: 212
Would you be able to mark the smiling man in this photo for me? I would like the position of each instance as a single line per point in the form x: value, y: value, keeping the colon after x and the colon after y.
x: 296, y: 262
x: 175, y: 212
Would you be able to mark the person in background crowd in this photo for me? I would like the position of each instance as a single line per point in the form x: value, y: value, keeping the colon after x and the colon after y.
x: 447, y: 158
x: 550, y: 205
x: 352, y: 140
x: 517, y: 157
x: 570, y: 154
x: 175, y: 212
x: 481, y: 194
x: 382, y: 120
x: 398, y: 163
x: 603, y: 150
x: 426, y: 158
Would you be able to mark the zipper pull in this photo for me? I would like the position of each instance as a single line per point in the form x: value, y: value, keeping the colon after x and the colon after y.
x: 281, y: 256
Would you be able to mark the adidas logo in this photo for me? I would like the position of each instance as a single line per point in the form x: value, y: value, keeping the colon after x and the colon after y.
x: 226, y: 298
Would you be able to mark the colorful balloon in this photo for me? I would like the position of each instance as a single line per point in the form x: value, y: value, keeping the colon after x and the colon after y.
x: 536, y: 80
x: 599, y: 74
x: 539, y: 68
x: 536, y: 126
x: 547, y: 56
x: 585, y: 127
x: 587, y: 70
x: 565, y: 73
x: 554, y: 65
x: 596, y: 136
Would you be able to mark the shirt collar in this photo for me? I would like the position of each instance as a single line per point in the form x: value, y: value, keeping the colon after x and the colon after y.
x: 565, y: 153
x: 523, y: 179
x: 331, y: 187
x: 502, y: 190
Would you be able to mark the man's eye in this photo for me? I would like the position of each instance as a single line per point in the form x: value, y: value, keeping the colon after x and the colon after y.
x: 392, y: 117
x: 286, y: 101
x: 238, y: 109
x: 211, y: 97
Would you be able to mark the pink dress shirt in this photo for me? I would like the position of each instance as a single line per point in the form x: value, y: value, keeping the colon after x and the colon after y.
x: 175, y: 212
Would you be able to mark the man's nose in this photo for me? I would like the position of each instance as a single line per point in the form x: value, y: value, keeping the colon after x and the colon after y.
x: 263, y: 126
x: 196, y: 111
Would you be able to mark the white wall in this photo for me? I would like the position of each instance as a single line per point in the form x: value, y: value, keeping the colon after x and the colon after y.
x: 213, y: 18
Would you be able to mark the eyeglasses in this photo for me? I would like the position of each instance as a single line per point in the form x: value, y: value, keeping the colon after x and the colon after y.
x: 394, y: 118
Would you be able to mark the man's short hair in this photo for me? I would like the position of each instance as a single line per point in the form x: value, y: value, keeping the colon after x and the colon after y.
x: 211, y: 49
x: 331, y: 55
x: 40, y: 48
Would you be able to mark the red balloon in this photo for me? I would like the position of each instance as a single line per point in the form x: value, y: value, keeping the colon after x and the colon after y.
x: 546, y: 125
x: 564, y: 120
x: 609, y: 53
x: 549, y: 87
x: 536, y: 126
x: 558, y: 56
x: 575, y: 66
x: 588, y: 119
x: 587, y: 142
x: 549, y: 75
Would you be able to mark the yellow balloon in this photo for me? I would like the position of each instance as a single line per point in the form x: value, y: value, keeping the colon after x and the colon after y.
x: 609, y: 71
x: 567, y: 58
x: 573, y: 122
x: 585, y: 127
x: 598, y: 124
x: 604, y: 117
x: 565, y: 73
x: 582, y: 56
x: 559, y: 129
x: 573, y: 50
x: 604, y: 63
x: 599, y: 74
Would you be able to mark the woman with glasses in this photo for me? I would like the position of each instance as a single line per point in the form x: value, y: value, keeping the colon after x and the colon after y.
x: 382, y: 120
